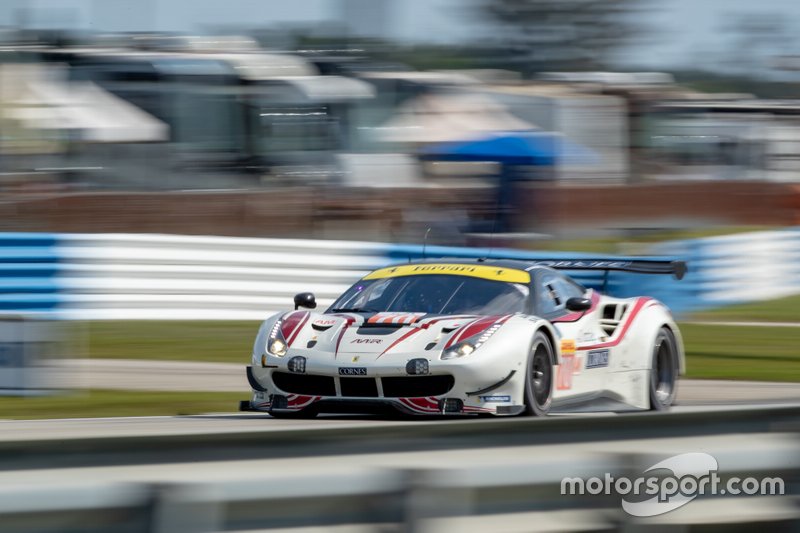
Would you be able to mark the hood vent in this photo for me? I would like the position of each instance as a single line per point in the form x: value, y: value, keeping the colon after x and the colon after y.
x: 378, y: 329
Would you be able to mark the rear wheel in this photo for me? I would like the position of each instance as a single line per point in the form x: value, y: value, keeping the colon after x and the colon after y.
x: 664, y: 371
x: 539, y: 377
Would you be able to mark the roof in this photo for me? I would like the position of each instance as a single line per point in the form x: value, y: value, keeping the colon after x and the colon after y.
x: 450, y: 117
x: 51, y: 103
x: 265, y: 66
x: 513, y: 147
x: 329, y: 89
x: 422, y: 77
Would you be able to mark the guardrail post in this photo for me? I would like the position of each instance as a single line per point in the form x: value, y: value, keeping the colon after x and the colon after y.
x: 632, y: 466
x: 415, y: 508
x: 185, y: 509
x: 424, y: 502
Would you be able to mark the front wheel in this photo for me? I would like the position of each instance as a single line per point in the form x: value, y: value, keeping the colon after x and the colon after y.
x: 663, y: 371
x: 539, y: 377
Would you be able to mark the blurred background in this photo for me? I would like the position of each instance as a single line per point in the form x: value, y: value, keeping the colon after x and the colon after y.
x: 512, y: 116
x: 174, y: 171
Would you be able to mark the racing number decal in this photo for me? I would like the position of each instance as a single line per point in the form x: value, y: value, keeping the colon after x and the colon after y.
x: 570, y: 365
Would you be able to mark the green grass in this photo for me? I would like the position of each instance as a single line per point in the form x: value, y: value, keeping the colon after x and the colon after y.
x: 782, y: 310
x: 749, y: 353
x: 215, y: 341
x: 636, y: 242
x: 724, y: 352
x: 101, y: 403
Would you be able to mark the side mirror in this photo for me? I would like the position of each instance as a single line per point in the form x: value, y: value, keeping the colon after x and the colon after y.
x: 577, y: 303
x: 305, y: 299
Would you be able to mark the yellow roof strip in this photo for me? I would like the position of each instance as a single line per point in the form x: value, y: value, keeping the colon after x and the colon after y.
x: 494, y: 273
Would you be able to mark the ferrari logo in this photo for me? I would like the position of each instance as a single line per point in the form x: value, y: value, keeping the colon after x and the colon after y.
x: 355, y: 359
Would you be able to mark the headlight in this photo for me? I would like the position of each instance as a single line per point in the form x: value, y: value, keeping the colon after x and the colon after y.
x: 480, y: 333
x: 277, y: 347
x: 458, y: 350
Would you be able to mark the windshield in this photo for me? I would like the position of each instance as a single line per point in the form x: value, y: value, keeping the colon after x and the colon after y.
x: 436, y: 294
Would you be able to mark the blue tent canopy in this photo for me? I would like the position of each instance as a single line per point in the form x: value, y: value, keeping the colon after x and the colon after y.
x: 513, y: 148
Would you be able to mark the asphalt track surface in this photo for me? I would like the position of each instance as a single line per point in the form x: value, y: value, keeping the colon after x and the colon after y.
x: 15, y: 430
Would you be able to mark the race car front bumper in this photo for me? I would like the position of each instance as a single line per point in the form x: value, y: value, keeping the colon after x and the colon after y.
x: 448, y: 389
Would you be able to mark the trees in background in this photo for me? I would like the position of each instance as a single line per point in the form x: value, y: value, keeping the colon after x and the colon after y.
x: 543, y: 35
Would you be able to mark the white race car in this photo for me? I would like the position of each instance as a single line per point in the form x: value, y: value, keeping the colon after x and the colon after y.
x: 471, y: 336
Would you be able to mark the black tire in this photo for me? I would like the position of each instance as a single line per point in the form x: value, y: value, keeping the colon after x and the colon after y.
x: 539, y: 376
x: 663, y: 382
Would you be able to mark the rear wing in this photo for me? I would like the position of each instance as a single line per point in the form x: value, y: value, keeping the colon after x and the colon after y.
x: 677, y: 269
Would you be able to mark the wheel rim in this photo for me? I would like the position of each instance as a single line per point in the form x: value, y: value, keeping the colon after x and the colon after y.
x: 541, y: 375
x: 663, y: 372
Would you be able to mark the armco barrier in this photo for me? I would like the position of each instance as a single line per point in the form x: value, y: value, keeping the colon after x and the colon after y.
x: 485, y: 475
x: 524, y: 496
x: 170, y: 443
x: 151, y: 276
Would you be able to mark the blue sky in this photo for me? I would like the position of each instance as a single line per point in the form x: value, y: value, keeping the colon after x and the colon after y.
x: 687, y: 31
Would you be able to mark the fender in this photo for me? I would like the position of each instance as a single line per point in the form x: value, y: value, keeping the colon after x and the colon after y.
x: 651, y: 319
x: 553, y: 335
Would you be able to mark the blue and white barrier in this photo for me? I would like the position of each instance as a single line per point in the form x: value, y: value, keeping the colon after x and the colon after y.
x: 29, y: 272
x: 149, y: 276
x: 738, y: 268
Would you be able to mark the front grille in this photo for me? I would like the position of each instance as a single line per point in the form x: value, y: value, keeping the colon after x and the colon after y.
x: 416, y: 386
x: 304, y: 384
x: 352, y: 387
x: 359, y: 387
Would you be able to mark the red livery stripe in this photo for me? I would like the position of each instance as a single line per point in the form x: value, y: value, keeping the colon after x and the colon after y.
x: 471, y: 409
x: 403, y: 337
x: 640, y: 303
x: 296, y: 401
x: 347, y: 324
x: 433, y: 321
x: 292, y: 324
x: 395, y: 318
x: 470, y: 330
x: 476, y: 328
x: 421, y: 405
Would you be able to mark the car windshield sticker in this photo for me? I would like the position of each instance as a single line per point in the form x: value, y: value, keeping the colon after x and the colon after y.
x: 510, y: 275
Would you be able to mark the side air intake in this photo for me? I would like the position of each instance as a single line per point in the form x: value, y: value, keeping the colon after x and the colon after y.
x: 612, y: 316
